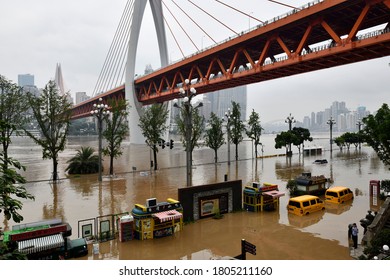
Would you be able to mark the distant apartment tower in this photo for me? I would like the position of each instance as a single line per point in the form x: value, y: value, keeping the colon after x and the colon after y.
x: 221, y: 100
x: 81, y: 97
x: 362, y: 112
x: 25, y: 80
x: 306, y: 122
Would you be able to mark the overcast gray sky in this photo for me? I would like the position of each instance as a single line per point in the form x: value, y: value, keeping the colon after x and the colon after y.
x: 36, y: 35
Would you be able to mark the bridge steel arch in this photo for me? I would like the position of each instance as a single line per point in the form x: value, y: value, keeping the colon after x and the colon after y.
x: 279, y: 48
x: 136, y: 136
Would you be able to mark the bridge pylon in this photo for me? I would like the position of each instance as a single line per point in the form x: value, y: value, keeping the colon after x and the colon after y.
x: 135, y: 111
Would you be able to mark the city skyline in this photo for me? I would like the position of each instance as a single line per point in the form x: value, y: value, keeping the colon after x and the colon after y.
x: 334, y: 110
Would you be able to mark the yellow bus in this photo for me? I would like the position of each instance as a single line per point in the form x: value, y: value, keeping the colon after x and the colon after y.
x: 305, y: 204
x: 338, y: 194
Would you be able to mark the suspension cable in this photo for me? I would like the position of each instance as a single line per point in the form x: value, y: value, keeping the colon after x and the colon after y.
x: 182, y: 28
x: 215, y: 42
x: 231, y: 7
x: 104, y: 76
x: 213, y: 17
x: 174, y: 37
x: 280, y: 3
x: 116, y: 57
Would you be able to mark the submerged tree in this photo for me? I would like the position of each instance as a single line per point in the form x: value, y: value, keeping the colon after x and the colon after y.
x: 116, y: 130
x: 254, y: 129
x: 284, y: 139
x: 214, y: 137
x: 52, y: 113
x: 13, y: 107
x: 237, y: 126
x: 196, y: 127
x: 11, y: 184
x: 153, y: 125
x: 303, y: 134
x: 340, y: 142
x: 377, y: 133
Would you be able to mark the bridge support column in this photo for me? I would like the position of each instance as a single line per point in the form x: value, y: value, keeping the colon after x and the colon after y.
x: 135, y: 111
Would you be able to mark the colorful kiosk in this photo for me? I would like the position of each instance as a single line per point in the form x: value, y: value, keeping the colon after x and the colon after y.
x: 314, y: 185
x: 47, y: 239
x: 261, y: 197
x: 157, y: 219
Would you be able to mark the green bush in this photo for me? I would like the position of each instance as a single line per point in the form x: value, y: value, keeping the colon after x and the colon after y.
x: 84, y: 162
x: 383, y: 238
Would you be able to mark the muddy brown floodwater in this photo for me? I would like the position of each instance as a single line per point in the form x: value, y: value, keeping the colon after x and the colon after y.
x: 277, y: 234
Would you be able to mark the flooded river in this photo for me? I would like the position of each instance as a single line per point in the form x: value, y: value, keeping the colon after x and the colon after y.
x: 277, y: 235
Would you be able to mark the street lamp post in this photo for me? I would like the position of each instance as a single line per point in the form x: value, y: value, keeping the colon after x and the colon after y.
x: 331, y: 122
x: 100, y: 112
x: 384, y: 253
x: 228, y: 116
x: 187, y: 93
x: 359, y: 124
x: 290, y: 120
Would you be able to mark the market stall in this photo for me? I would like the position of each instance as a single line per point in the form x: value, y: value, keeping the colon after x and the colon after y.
x: 261, y: 197
x: 157, y: 219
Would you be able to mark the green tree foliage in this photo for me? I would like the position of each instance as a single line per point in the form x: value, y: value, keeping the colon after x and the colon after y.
x: 303, y: 134
x: 340, y: 142
x: 350, y: 138
x: 254, y: 129
x: 11, y: 184
x: 116, y: 130
x: 377, y: 133
x: 11, y: 190
x: 84, y: 162
x: 376, y: 244
x: 7, y: 253
x: 237, y: 126
x: 153, y: 124
x: 292, y: 187
x: 385, y: 186
x: 196, y: 127
x: 52, y: 113
x: 284, y: 139
x: 214, y: 137
x: 13, y: 107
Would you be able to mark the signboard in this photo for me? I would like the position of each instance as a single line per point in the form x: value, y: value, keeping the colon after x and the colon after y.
x: 248, y: 247
x: 209, y: 207
x: 87, y: 230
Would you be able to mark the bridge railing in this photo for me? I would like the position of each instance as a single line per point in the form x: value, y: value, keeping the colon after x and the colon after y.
x: 283, y: 57
x: 308, y: 5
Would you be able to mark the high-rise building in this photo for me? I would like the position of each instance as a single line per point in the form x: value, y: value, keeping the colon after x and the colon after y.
x: 306, y: 122
x: 26, y: 80
x: 221, y: 100
x: 81, y: 97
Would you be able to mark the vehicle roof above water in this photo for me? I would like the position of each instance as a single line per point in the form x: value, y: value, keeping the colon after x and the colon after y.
x: 77, y: 242
x: 337, y: 189
x: 304, y: 197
